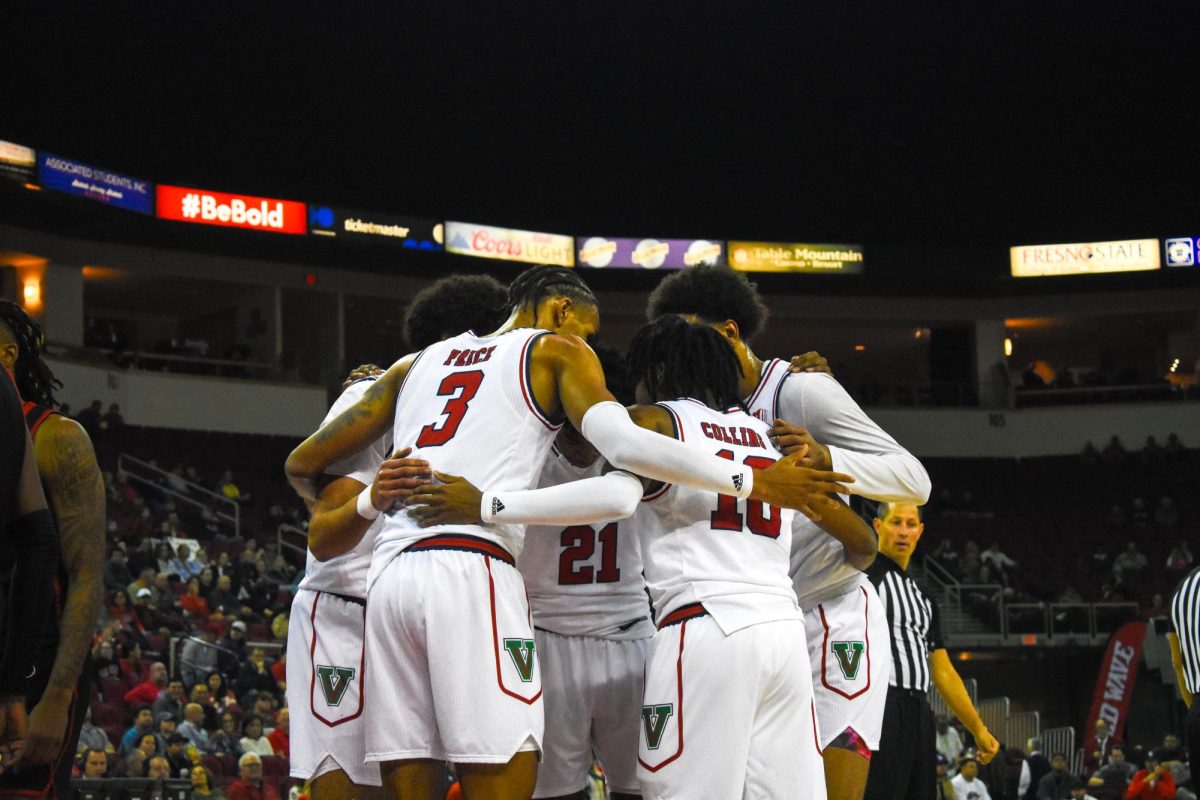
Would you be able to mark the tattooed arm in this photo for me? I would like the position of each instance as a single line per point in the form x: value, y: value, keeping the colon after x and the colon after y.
x: 75, y: 491
x: 354, y: 430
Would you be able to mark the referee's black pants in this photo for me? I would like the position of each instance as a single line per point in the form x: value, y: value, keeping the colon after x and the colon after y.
x: 905, y: 766
x: 1193, y: 731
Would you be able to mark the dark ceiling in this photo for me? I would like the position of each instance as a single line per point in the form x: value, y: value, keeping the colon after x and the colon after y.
x: 959, y: 124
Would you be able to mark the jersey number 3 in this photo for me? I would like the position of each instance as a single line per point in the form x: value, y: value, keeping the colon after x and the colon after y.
x: 579, y: 543
x: 461, y: 387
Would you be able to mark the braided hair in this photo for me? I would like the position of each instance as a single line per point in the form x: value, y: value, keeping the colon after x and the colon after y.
x: 34, y: 379
x: 537, y: 283
x: 674, y: 358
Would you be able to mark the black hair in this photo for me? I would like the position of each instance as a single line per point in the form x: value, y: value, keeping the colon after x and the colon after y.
x: 616, y: 374
x: 453, y: 305
x: 675, y: 358
x: 537, y: 283
x: 714, y: 294
x: 35, y: 381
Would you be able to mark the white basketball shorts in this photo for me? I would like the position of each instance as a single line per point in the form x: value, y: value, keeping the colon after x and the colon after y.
x: 593, y: 704
x: 324, y: 686
x: 454, y: 672
x: 849, y: 649
x: 729, y: 717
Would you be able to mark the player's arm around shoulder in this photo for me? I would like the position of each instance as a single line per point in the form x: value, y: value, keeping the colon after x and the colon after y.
x: 353, y: 430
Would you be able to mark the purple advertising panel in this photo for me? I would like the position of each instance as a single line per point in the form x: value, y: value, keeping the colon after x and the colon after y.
x: 602, y: 251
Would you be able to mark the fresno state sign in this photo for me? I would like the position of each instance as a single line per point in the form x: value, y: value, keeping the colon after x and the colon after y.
x: 231, y: 210
x: 506, y: 244
x: 1114, y: 685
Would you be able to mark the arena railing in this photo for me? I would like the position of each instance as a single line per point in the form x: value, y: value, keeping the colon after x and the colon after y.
x: 175, y: 663
x: 166, y: 362
x: 946, y: 394
x: 1021, y: 727
x: 994, y: 711
x: 1059, y: 740
x: 191, y: 494
x: 291, y: 538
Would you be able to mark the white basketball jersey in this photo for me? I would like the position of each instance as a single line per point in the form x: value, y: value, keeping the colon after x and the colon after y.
x: 584, y: 580
x: 701, y: 547
x: 347, y: 574
x: 466, y: 407
x: 818, y: 562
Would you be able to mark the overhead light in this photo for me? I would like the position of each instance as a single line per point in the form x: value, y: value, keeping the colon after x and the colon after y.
x: 918, y: 333
x: 858, y: 348
x: 1007, y: 346
x: 1174, y: 365
x: 32, y: 292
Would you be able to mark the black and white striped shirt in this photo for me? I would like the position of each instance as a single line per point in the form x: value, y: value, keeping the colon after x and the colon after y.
x: 1185, y: 621
x: 913, y: 621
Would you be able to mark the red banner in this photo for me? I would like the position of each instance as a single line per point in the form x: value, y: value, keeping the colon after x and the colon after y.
x: 232, y: 210
x: 1114, y: 685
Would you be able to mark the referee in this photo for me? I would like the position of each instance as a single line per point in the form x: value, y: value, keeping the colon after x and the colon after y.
x: 905, y: 766
x: 1185, y: 653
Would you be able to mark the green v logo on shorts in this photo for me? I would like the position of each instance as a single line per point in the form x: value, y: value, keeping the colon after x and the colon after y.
x: 521, y: 651
x: 334, y: 682
x: 849, y: 657
x: 654, y: 720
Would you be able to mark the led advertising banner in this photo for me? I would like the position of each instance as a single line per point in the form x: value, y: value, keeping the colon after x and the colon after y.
x: 506, y: 244
x: 410, y: 232
x: 17, y: 162
x: 73, y: 177
x: 1181, y: 251
x: 1086, y: 258
x: 842, y: 259
x: 600, y: 251
x: 231, y: 210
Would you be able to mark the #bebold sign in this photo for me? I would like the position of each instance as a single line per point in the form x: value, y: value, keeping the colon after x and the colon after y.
x: 231, y: 210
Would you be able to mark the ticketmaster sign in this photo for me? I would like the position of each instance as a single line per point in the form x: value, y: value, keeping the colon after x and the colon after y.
x: 1086, y: 258
x: 842, y: 259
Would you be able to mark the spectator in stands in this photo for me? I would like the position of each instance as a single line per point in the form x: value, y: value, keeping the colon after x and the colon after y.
x: 112, y: 420
x: 136, y: 760
x: 116, y: 572
x: 1035, y: 767
x: 1170, y: 750
x: 1117, y: 521
x: 164, y: 727
x: 147, y: 692
x: 184, y: 565
x: 945, y: 789
x: 222, y: 598
x: 193, y: 728
x: 226, y: 740
x: 144, y: 580
x: 91, y: 737
x: 204, y: 785
x: 997, y: 559
x: 250, y: 785
x: 263, y: 704
x: 1166, y: 516
x: 279, y: 668
x: 134, y: 668
x: 1105, y: 742
x: 253, y: 740
x: 947, y: 556
x: 95, y: 764
x: 193, y: 602
x: 198, y: 656
x: 203, y: 698
x: 218, y: 690
x: 89, y: 418
x: 1116, y: 774
x: 1079, y: 791
x: 969, y: 569
x: 172, y: 700
x: 176, y: 752
x: 149, y: 618
x: 1155, y: 782
x: 281, y: 572
x: 165, y: 559
x: 158, y: 768
x: 279, y: 739
x: 966, y: 783
x: 255, y: 674
x: 948, y: 742
x: 225, y: 486
x: 1140, y: 516
x: 1173, y: 450
x: 1090, y: 454
x: 1055, y: 784
x: 104, y: 663
x: 1128, y: 566
x: 1152, y: 453
x: 1157, y: 607
x: 1114, y: 451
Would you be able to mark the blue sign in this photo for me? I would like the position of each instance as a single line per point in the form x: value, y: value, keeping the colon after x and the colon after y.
x: 1181, y: 252
x: 83, y: 180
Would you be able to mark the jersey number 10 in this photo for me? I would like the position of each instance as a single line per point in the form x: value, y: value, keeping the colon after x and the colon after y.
x: 761, y: 519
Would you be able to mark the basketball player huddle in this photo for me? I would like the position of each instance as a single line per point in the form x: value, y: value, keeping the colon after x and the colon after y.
x: 525, y: 556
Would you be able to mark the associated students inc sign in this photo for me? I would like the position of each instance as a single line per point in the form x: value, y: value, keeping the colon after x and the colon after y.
x: 1085, y: 258
x: 84, y: 180
x: 231, y: 210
